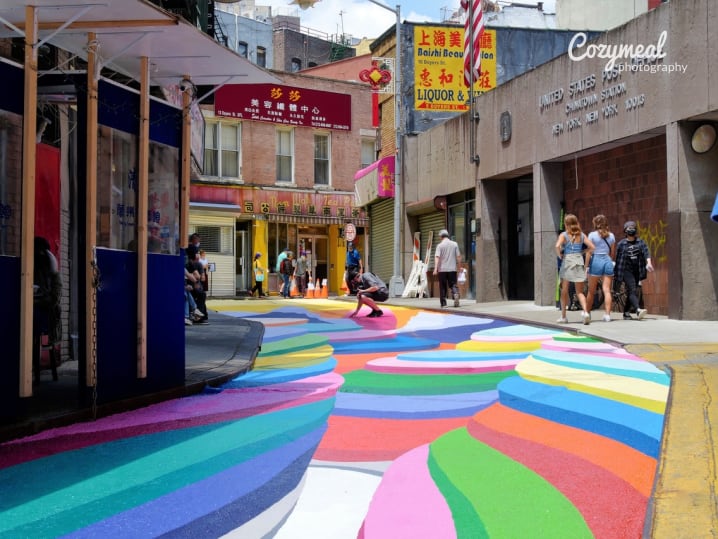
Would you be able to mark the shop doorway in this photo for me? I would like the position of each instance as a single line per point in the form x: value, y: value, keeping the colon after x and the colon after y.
x: 520, y: 239
x: 243, y: 262
x: 316, y: 248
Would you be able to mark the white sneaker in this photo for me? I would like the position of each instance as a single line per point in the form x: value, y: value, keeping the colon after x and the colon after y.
x: 641, y: 313
x: 187, y: 322
x: 586, y: 318
x: 562, y: 320
x: 606, y: 317
x: 198, y: 313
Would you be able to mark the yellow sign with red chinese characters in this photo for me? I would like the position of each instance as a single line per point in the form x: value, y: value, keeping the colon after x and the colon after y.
x: 439, y: 68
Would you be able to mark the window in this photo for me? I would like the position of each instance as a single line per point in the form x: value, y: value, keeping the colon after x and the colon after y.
x: 285, y: 152
x: 261, y: 57
x: 296, y: 65
x: 214, y: 238
x: 222, y: 150
x: 321, y: 159
x: 368, y: 153
x: 242, y: 49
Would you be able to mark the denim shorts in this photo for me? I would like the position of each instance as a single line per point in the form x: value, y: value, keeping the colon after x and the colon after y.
x: 601, y: 265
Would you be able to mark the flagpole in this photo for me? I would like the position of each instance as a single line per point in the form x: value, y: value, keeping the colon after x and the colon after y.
x: 472, y: 80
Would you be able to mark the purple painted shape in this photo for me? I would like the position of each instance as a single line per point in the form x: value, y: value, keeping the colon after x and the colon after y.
x: 402, y: 366
x: 408, y: 503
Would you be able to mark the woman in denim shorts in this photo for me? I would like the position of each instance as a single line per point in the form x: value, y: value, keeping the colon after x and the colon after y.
x: 601, y: 264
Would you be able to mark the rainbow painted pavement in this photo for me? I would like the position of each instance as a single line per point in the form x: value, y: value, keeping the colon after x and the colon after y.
x: 416, y: 424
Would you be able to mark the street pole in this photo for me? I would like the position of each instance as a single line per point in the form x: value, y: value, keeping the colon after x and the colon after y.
x: 396, y: 284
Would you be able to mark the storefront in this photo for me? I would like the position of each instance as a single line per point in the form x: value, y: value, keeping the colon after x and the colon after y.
x: 248, y: 220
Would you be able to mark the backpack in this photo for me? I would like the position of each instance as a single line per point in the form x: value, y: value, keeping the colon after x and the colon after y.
x: 286, y: 268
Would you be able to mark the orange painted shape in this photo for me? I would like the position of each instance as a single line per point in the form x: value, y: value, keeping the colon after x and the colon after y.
x: 623, y: 461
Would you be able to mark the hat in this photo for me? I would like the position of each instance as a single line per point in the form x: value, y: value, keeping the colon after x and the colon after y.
x: 444, y: 233
x: 290, y: 253
x: 350, y: 244
x: 629, y: 225
x: 257, y: 255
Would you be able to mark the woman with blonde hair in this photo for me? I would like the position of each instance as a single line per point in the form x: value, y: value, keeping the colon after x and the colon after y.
x: 601, y: 264
x: 571, y: 247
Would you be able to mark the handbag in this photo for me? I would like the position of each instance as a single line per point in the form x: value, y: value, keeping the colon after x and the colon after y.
x: 258, y: 273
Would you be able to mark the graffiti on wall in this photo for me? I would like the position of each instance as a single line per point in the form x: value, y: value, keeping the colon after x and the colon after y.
x: 655, y: 237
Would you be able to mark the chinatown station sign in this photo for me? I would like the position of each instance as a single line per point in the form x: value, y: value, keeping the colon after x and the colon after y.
x: 285, y: 105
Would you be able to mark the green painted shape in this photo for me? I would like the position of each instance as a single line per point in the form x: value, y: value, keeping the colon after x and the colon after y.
x: 565, y: 337
x: 492, y: 495
x: 123, y: 474
x: 420, y: 384
x: 293, y: 344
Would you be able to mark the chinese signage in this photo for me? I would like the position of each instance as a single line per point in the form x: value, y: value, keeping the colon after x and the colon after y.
x: 375, y: 181
x: 439, y: 68
x: 280, y: 202
x: 286, y: 105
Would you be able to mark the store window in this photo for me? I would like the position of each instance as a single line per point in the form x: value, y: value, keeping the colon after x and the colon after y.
x: 10, y: 183
x: 117, y: 193
x: 368, y: 152
x: 222, y: 150
x: 285, y: 155
x: 261, y: 57
x: 215, y: 239
x: 242, y: 49
x: 322, y: 152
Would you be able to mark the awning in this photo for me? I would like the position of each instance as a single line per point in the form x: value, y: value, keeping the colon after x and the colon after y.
x: 126, y: 31
x: 375, y: 181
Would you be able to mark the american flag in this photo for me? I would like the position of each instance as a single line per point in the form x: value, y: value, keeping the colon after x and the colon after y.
x: 472, y: 38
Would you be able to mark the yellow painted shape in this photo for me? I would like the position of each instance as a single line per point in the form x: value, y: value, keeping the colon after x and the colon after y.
x: 634, y: 391
x: 300, y: 358
x: 501, y: 346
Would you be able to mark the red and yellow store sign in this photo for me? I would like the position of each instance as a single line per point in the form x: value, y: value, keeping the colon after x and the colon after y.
x: 439, y: 68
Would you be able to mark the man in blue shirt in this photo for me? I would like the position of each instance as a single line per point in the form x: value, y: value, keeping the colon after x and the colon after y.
x: 353, y: 267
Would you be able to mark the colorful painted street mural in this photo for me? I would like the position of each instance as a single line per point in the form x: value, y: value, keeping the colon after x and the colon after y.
x: 416, y: 424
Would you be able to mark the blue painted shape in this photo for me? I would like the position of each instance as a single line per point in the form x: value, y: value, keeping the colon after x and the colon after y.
x: 454, y: 334
x: 218, y: 504
x: 413, y: 406
x: 641, y: 370
x: 400, y: 342
x: 259, y: 378
x: 632, y: 426
x: 461, y: 355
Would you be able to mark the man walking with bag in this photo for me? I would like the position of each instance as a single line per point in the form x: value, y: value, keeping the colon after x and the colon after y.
x: 446, y: 261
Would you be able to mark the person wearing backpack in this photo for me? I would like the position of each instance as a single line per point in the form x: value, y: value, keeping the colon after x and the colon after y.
x: 286, y: 269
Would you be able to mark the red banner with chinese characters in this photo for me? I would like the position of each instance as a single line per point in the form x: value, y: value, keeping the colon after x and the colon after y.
x: 285, y: 105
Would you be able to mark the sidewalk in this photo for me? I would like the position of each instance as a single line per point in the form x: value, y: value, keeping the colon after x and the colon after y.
x: 685, y: 498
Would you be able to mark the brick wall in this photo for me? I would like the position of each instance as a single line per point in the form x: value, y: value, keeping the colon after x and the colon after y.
x: 628, y: 182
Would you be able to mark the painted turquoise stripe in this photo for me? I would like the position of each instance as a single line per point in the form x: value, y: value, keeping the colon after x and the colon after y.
x: 278, y: 376
x: 292, y: 344
x: 132, y: 471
